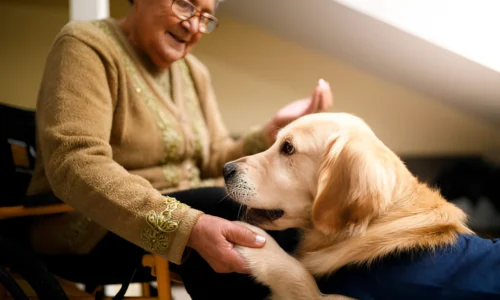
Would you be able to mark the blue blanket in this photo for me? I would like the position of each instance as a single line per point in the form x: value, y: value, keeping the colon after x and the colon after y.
x: 468, y: 270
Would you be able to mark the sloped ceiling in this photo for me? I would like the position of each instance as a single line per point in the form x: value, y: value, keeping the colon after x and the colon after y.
x: 378, y: 47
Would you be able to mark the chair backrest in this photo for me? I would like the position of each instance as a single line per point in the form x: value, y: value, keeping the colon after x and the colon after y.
x: 17, y: 152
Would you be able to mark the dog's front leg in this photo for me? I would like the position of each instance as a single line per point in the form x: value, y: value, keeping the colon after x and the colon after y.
x: 283, y: 274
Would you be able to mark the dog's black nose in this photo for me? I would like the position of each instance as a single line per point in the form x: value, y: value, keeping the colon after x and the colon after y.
x: 229, y: 171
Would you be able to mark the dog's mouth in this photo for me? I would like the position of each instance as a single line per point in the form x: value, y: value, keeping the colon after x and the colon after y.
x: 258, y: 216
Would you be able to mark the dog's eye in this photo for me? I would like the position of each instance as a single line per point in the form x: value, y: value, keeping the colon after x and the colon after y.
x: 287, y: 148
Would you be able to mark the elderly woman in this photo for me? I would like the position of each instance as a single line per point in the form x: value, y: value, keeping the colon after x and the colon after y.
x: 130, y: 135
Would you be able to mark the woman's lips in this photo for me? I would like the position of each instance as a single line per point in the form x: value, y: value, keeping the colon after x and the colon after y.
x: 177, y: 38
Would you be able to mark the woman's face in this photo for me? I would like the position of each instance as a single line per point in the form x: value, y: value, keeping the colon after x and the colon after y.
x: 159, y: 33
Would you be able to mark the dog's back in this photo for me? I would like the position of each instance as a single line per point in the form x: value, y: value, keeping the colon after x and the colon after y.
x: 470, y: 269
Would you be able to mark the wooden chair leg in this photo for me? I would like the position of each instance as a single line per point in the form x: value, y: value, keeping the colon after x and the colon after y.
x: 159, y: 269
x: 163, y: 278
x: 146, y: 289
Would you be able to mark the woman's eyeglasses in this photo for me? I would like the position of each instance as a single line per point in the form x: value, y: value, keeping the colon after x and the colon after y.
x: 185, y: 10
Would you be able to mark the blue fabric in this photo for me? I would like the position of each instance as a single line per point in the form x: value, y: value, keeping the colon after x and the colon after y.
x: 468, y: 270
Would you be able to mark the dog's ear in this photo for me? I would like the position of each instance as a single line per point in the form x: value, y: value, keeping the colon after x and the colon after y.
x: 356, y: 180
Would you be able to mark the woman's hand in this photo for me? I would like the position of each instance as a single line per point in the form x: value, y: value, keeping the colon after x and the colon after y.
x: 214, y: 239
x: 321, y: 100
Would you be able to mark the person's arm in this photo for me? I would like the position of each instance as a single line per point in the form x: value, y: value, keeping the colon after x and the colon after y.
x: 75, y: 116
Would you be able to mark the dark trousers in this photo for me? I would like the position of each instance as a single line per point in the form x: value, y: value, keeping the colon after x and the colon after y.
x: 114, y: 259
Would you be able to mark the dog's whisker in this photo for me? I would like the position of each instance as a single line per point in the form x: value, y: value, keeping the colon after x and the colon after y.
x: 224, y: 198
x: 239, y: 211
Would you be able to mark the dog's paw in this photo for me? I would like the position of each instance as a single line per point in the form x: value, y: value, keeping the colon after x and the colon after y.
x: 266, y: 261
x: 272, y: 266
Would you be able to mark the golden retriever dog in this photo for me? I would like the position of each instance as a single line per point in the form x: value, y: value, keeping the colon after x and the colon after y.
x: 352, y: 197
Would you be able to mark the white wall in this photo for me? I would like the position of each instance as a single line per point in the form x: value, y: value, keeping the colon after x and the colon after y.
x: 470, y: 28
x: 255, y: 73
x: 88, y: 9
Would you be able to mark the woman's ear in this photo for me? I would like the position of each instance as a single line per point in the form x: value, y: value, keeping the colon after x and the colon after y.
x: 356, y: 180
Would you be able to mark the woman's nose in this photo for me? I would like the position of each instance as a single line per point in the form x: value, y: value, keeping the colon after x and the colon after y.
x: 192, y: 24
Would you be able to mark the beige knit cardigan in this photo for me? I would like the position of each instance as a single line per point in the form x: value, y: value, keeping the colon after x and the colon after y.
x: 114, y: 134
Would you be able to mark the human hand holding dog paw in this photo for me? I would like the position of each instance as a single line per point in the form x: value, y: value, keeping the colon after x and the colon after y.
x: 214, y: 239
x: 263, y: 262
x: 320, y: 101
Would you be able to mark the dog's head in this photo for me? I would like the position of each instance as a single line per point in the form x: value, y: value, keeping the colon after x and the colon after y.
x: 326, y: 171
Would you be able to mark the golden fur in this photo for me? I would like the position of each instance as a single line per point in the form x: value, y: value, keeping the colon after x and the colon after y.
x: 353, y: 197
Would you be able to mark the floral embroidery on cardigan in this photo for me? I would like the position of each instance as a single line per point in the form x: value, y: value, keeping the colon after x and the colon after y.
x: 155, y: 236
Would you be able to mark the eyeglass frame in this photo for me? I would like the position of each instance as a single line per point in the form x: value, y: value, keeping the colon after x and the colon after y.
x: 196, y: 13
